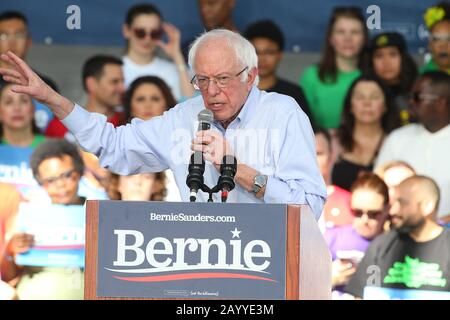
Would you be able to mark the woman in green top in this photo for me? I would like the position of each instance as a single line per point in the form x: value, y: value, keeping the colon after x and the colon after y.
x: 17, y: 125
x: 326, y: 84
x: 437, y: 20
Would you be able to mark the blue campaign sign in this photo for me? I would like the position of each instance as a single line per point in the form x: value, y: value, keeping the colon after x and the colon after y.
x: 378, y: 293
x: 15, y: 169
x: 200, y: 250
x: 59, y: 233
x: 14, y: 165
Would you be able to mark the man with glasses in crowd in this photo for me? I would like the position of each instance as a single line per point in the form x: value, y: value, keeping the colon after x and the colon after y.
x: 268, y: 133
x: 426, y: 145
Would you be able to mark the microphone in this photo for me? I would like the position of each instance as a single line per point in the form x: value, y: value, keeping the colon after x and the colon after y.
x: 228, y: 170
x: 196, y: 166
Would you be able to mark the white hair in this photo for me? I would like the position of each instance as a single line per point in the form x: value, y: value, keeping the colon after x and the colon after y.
x: 244, y: 51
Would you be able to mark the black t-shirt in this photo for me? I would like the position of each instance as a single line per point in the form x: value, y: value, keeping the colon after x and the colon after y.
x: 395, y: 260
x: 345, y: 172
x: 292, y: 90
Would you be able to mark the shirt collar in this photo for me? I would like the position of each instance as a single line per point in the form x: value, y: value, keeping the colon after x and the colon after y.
x: 442, y: 132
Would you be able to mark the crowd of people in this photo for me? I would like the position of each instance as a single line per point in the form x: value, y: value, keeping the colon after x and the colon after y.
x: 381, y: 124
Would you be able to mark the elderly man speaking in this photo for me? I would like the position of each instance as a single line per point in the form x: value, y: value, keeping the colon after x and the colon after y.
x: 268, y: 133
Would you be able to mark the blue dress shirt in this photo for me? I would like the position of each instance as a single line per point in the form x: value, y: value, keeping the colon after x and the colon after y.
x: 270, y: 134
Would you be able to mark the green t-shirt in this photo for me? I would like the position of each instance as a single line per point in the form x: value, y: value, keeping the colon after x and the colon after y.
x: 430, y: 66
x: 326, y: 100
x: 38, y: 139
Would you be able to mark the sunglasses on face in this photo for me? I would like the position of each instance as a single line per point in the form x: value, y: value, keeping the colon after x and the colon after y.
x: 371, y: 214
x: 141, y: 33
x: 418, y: 97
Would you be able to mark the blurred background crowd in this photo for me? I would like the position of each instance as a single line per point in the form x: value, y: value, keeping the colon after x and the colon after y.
x: 380, y: 117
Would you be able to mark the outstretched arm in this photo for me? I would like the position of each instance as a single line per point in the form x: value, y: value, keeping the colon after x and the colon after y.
x: 28, y: 82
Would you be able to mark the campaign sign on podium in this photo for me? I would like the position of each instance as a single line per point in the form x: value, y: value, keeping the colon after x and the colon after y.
x: 171, y: 250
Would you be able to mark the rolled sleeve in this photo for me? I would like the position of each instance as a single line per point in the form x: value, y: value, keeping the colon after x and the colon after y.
x: 134, y: 148
x: 297, y: 179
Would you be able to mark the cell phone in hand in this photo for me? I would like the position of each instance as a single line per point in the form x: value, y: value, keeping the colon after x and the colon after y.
x: 353, y: 256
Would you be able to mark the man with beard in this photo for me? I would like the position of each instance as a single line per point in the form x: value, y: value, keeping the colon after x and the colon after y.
x: 415, y: 254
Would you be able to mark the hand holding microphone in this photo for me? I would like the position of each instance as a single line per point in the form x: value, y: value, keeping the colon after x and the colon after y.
x: 211, y: 146
x: 196, y: 167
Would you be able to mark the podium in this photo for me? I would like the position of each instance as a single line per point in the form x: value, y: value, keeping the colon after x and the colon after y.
x: 175, y: 250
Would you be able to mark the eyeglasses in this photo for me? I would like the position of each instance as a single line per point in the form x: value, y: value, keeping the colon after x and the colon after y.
x: 202, y: 83
x: 418, y: 97
x: 15, y: 36
x: 141, y: 33
x: 371, y: 214
x: 440, y: 37
x: 65, y: 176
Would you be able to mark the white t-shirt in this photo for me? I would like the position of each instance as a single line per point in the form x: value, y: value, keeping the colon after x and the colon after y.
x: 164, y: 69
x: 428, y: 153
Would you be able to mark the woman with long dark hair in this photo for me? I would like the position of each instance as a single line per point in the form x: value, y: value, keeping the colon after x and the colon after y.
x: 388, y: 59
x: 17, y: 126
x: 326, y: 83
x: 369, y: 115
x: 146, y: 97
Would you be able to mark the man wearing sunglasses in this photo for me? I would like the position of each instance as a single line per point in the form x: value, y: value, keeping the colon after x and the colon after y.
x: 425, y: 145
x: 415, y: 254
x: 268, y: 133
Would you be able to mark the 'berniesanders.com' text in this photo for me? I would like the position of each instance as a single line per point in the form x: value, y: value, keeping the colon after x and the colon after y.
x: 181, y: 217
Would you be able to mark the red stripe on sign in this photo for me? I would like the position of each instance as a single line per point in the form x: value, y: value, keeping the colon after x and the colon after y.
x: 190, y: 276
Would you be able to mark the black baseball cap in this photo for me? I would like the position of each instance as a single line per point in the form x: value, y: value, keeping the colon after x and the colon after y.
x: 387, y: 39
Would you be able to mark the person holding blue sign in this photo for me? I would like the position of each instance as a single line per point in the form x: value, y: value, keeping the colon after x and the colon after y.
x: 58, y: 167
x: 268, y: 133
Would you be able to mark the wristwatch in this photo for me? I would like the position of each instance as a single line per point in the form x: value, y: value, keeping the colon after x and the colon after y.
x: 259, y: 182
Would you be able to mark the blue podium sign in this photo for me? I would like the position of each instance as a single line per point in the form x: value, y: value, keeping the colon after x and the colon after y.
x: 204, y: 250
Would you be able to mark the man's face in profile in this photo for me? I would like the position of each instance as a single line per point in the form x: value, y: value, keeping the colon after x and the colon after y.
x: 405, y: 212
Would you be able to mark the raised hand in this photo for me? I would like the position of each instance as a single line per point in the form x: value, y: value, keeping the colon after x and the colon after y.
x: 26, y: 81
x: 172, y: 47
